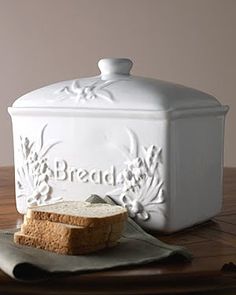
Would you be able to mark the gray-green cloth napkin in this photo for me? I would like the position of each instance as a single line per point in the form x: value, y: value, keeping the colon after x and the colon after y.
x: 135, y: 247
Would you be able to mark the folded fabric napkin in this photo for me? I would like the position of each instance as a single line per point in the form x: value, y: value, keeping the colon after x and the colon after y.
x: 135, y: 247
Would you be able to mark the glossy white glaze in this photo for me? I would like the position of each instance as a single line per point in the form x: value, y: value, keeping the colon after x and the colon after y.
x: 116, y: 89
x: 154, y: 146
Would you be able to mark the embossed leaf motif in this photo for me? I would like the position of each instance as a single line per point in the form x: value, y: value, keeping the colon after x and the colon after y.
x: 88, y: 92
x: 33, y: 174
x: 140, y: 188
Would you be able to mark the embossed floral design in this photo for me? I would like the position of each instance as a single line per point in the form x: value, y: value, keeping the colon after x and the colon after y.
x: 32, y: 177
x: 140, y: 186
x: 88, y: 92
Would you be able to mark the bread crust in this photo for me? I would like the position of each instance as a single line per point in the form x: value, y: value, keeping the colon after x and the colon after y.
x: 71, y: 235
x: 91, y: 227
x: 56, y: 247
x: 84, y: 221
x: 77, y: 220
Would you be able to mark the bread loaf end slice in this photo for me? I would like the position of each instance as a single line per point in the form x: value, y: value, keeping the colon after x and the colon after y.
x: 79, y: 213
x: 54, y: 246
x: 70, y: 234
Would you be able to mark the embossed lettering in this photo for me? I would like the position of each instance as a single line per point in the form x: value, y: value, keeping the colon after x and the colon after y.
x: 82, y: 175
x: 109, y: 176
x: 60, y: 167
x: 96, y: 176
x: 62, y: 172
x: 72, y: 172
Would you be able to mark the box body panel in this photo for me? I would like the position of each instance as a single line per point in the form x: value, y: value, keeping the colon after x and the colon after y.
x: 71, y: 156
x: 197, y: 147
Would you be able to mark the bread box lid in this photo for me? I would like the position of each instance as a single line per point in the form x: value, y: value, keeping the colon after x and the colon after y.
x: 116, y: 89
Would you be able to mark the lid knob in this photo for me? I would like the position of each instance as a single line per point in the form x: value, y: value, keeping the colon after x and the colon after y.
x: 111, y: 66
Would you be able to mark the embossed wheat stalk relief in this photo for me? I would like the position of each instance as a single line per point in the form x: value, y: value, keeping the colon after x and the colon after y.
x: 32, y: 176
x: 140, y: 188
x: 88, y: 92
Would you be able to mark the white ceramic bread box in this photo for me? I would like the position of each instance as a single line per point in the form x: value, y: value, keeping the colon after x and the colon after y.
x: 153, y: 146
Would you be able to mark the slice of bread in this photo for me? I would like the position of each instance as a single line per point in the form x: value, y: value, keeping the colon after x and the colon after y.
x: 57, y: 247
x: 70, y: 234
x: 72, y: 227
x: 79, y: 213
